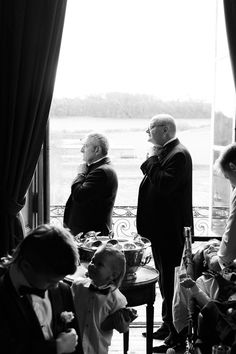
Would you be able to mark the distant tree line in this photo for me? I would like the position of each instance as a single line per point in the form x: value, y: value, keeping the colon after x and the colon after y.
x: 124, y: 105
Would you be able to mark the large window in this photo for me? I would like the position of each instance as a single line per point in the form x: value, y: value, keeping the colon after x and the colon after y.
x: 122, y: 62
x: 223, y: 119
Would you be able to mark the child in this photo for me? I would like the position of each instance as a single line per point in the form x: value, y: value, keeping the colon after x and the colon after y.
x: 99, y: 304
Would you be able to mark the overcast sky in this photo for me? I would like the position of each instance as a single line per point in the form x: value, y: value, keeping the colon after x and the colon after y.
x: 160, y: 47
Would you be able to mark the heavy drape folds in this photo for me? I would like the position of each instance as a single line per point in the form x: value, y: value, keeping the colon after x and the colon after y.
x: 30, y: 38
x: 230, y: 21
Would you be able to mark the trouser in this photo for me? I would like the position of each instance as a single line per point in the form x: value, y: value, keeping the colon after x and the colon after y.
x: 166, y: 259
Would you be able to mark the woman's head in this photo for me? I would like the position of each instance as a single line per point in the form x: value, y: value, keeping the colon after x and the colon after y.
x: 206, y: 257
x: 210, y: 255
x: 108, y: 266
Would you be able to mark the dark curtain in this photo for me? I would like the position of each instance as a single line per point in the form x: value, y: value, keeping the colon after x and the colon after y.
x: 30, y: 38
x: 230, y: 21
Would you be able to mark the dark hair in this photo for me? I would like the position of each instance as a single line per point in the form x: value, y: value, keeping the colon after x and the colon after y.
x: 49, y: 249
x: 228, y: 155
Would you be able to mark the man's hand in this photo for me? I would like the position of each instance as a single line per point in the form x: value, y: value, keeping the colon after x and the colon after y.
x: 81, y: 175
x: 83, y: 168
x: 154, y: 150
x: 67, y: 341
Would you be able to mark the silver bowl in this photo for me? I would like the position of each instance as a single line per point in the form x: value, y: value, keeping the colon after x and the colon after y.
x: 137, y: 250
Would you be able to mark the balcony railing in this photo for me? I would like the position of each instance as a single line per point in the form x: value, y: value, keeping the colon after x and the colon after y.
x: 124, y: 219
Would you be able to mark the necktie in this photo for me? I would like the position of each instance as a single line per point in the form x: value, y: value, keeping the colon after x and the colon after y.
x: 27, y: 290
x: 100, y: 291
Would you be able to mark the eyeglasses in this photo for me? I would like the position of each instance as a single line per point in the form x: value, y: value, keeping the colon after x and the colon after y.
x: 155, y: 126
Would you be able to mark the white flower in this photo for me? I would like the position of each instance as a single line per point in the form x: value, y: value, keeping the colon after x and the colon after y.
x: 67, y: 316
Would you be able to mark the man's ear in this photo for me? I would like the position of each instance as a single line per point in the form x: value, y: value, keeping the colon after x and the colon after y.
x: 165, y: 129
x: 98, y: 149
x: 232, y: 166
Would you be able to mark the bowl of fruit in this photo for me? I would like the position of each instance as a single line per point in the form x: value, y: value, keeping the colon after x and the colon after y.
x: 137, y: 249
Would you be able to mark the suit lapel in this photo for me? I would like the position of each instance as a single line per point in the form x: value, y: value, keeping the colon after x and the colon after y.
x: 143, y: 181
x: 55, y: 310
x: 168, y: 148
x: 56, y: 300
x: 95, y: 165
x: 21, y: 308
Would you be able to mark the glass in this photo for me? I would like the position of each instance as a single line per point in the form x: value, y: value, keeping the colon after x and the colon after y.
x: 220, y: 349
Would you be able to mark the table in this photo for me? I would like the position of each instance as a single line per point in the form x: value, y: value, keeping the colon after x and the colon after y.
x: 141, y: 291
x: 138, y: 291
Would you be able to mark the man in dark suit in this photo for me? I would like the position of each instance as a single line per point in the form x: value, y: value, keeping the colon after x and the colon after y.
x: 36, y: 308
x: 164, y: 208
x: 93, y: 192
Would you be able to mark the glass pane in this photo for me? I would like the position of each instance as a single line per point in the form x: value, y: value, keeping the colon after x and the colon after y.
x: 223, y: 119
x: 123, y: 62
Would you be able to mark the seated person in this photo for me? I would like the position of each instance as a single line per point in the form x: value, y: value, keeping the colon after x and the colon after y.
x: 36, y: 308
x: 215, y: 294
x: 204, y: 259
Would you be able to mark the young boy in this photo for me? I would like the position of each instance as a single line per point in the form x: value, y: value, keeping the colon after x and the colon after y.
x: 36, y: 308
x: 99, y: 304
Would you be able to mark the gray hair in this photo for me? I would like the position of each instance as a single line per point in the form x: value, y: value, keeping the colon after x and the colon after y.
x: 119, y: 263
x: 100, y: 140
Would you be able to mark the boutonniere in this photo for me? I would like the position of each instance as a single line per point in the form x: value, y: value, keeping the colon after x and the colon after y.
x: 66, y: 317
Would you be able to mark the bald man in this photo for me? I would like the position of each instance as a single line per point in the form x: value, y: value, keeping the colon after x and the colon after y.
x: 164, y: 208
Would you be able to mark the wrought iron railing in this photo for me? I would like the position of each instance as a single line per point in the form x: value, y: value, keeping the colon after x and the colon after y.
x: 124, y: 219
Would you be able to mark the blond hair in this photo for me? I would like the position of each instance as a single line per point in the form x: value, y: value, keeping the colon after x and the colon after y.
x: 118, y: 265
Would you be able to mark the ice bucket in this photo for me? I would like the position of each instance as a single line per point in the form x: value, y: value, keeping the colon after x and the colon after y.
x: 137, y: 249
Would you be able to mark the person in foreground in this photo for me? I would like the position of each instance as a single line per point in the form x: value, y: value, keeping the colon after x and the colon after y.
x: 36, y: 308
x: 214, y: 293
x: 205, y: 287
x: 93, y: 191
x: 99, y: 304
x: 164, y: 209
x: 227, y: 164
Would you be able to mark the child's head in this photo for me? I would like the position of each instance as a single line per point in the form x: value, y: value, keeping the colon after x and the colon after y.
x: 47, y: 252
x: 108, y: 266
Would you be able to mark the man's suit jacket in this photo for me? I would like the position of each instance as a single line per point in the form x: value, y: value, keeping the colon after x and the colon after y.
x: 165, y: 197
x: 20, y: 331
x: 90, y: 205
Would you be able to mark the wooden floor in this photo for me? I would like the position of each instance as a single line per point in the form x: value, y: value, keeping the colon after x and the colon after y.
x: 137, y: 343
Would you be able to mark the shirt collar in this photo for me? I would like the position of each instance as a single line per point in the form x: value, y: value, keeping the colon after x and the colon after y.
x: 92, y: 163
x: 169, y: 141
